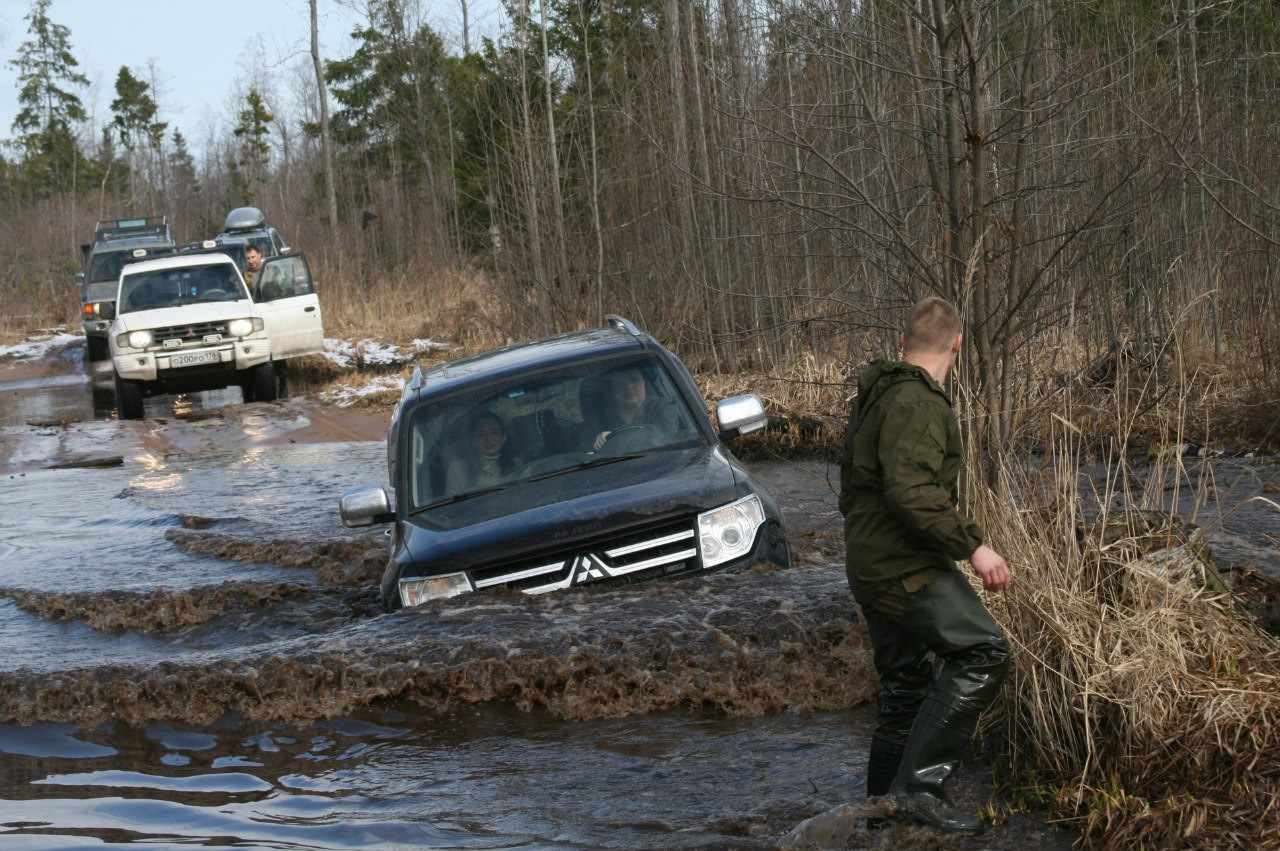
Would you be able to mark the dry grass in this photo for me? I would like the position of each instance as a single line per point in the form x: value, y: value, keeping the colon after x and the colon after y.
x: 1150, y: 707
x: 418, y: 301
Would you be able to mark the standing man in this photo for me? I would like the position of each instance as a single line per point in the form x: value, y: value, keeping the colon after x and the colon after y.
x: 253, y: 263
x: 939, y: 654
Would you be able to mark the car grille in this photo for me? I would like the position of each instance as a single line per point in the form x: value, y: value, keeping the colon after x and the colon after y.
x: 667, y: 550
x: 190, y: 333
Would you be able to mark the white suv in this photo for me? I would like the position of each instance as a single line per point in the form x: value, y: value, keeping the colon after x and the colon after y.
x: 188, y: 323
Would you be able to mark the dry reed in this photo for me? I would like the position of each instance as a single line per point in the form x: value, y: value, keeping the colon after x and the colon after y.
x: 1150, y: 707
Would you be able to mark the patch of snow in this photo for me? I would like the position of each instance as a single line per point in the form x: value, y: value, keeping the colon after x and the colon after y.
x: 346, y: 396
x: 345, y: 353
x: 40, y: 345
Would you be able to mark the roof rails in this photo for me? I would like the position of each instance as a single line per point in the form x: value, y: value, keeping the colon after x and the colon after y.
x: 109, y: 229
x: 613, y: 320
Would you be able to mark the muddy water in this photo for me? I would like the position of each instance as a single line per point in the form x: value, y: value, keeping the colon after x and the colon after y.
x: 193, y: 655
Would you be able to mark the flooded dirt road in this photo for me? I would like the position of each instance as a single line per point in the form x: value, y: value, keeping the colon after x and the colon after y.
x: 193, y: 655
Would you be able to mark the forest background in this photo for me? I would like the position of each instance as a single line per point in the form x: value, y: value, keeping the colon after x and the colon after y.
x: 766, y: 186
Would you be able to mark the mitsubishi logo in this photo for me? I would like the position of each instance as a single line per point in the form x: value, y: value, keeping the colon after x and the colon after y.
x: 588, y: 568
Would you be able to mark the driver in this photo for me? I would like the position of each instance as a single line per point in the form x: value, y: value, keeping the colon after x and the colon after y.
x: 628, y: 403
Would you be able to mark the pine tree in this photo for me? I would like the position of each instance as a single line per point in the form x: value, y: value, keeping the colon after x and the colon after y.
x: 48, y: 105
x: 135, y: 125
x: 249, y: 169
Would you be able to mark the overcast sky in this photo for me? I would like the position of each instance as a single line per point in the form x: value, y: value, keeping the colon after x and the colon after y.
x: 202, y: 52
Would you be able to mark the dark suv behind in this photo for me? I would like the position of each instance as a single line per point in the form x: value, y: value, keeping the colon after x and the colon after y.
x: 573, y: 494
x: 250, y: 225
x: 116, y: 242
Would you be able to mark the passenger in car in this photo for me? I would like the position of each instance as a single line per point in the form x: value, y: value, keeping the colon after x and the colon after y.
x: 628, y: 403
x: 486, y: 460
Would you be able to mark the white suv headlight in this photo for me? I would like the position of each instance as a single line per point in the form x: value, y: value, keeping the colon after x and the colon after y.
x: 242, y: 327
x: 134, y: 339
x: 729, y: 532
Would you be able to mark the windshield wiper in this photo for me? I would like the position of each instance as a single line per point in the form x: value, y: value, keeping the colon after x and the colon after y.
x: 459, y: 497
x: 597, y: 461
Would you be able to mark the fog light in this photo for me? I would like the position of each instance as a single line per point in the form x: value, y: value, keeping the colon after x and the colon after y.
x: 416, y: 591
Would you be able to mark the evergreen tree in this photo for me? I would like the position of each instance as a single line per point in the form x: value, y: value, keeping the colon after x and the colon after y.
x: 48, y: 104
x: 135, y: 125
x: 249, y: 168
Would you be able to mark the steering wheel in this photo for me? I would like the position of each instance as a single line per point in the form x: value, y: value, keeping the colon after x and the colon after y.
x: 210, y: 295
x: 626, y: 428
x: 629, y: 438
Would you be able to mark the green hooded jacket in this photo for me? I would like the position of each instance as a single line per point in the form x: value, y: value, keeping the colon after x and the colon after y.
x: 899, y: 478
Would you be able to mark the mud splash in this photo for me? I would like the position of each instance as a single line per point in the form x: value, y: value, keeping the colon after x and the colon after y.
x: 156, y: 611
x: 348, y: 563
x: 740, y: 645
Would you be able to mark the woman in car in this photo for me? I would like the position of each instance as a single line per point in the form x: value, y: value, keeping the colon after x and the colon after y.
x: 486, y: 460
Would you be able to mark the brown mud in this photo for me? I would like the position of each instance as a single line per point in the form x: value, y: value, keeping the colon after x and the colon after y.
x: 729, y: 644
x: 337, y: 564
x: 154, y: 611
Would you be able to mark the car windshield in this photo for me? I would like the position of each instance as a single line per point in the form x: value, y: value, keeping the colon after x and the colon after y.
x: 106, y: 267
x: 149, y: 290
x: 533, y: 427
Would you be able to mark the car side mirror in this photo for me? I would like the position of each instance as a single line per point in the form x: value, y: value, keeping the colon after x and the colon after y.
x: 365, y: 505
x: 79, y: 277
x: 739, y: 415
x: 107, y: 310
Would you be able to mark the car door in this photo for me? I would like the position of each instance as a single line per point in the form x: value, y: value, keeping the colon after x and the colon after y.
x: 285, y: 297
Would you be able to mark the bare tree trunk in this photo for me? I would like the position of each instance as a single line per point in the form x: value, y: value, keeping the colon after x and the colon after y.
x: 326, y: 140
x: 593, y: 160
x: 557, y: 202
x: 532, y: 213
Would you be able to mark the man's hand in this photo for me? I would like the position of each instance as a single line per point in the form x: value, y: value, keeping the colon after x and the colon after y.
x: 990, y: 565
x: 600, y: 439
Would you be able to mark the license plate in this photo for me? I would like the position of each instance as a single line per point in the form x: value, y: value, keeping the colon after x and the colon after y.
x: 193, y: 359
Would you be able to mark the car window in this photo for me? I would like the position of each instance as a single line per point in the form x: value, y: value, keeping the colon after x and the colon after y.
x: 105, y: 267
x: 284, y: 277
x: 511, y: 433
x: 173, y: 287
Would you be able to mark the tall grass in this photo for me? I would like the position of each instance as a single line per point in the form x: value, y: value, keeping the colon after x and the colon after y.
x: 1148, y: 706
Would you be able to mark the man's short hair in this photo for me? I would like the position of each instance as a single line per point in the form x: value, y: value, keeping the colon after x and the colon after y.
x: 932, y: 324
x: 252, y: 247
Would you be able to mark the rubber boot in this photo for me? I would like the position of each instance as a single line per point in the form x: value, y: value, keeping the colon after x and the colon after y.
x: 883, y: 762
x: 882, y: 766
x: 938, y: 739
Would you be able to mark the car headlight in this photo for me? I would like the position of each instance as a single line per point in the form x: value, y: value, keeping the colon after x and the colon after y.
x: 134, y: 339
x: 414, y: 592
x: 729, y: 532
x: 244, y: 327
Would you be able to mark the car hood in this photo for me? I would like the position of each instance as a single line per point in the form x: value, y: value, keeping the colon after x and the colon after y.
x: 188, y: 314
x: 572, y: 508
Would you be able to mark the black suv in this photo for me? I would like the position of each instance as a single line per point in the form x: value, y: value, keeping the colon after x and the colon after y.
x: 584, y: 457
x: 115, y: 243
x: 250, y: 225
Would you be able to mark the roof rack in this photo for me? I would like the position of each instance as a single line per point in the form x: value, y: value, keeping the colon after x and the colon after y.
x: 613, y: 320
x: 109, y: 229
